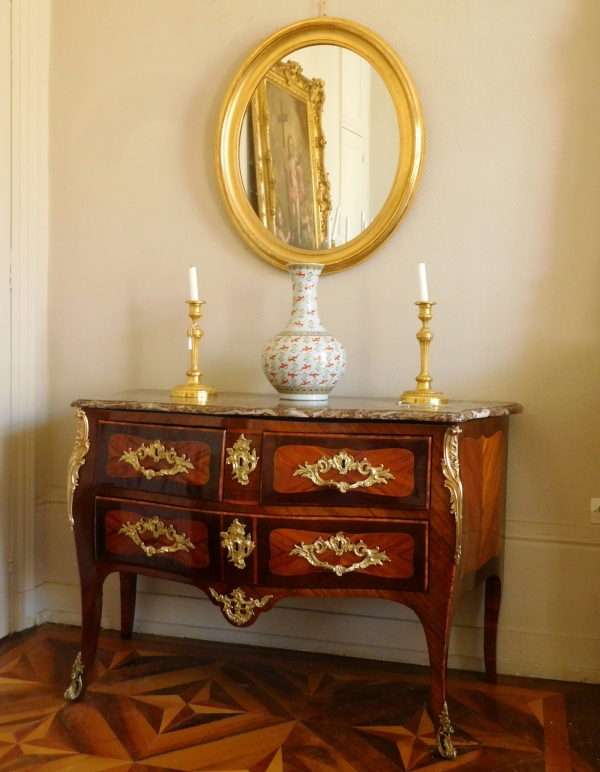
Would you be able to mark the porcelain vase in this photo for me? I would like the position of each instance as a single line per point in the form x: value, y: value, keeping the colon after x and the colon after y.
x: 303, y: 362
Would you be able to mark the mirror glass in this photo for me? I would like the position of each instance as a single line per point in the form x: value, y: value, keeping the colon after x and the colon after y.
x: 319, y: 147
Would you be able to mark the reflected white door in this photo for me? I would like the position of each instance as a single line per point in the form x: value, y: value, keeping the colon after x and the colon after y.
x: 352, y: 191
x: 346, y: 126
x: 356, y: 112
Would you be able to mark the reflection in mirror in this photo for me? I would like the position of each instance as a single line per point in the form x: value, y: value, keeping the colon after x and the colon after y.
x: 319, y: 147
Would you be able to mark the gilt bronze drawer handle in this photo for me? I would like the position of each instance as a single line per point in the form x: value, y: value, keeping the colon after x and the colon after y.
x: 343, y: 463
x: 237, y: 609
x: 238, y: 545
x: 242, y: 459
x: 156, y: 451
x: 340, y: 544
x: 157, y: 528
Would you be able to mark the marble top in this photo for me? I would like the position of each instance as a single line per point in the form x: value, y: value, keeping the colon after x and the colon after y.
x: 257, y: 405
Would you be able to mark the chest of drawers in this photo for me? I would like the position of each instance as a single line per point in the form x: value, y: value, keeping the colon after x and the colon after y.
x: 252, y: 502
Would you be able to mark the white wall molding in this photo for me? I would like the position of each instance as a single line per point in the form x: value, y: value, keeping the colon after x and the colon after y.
x: 587, y: 535
x: 30, y: 43
x: 534, y: 643
x: 293, y: 626
x: 53, y: 494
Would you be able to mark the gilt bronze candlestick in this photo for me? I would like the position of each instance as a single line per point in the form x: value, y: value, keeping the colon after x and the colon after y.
x: 424, y: 394
x: 194, y: 388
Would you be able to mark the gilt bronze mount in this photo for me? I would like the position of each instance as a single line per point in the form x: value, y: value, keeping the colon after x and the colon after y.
x: 77, y: 460
x: 444, y: 736
x: 340, y: 545
x: 238, y: 609
x: 156, y: 528
x: 238, y: 545
x: 76, y: 686
x: 156, y: 452
x: 451, y: 471
x: 242, y: 459
x: 343, y: 463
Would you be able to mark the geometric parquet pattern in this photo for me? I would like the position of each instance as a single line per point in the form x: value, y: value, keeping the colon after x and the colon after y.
x: 159, y: 705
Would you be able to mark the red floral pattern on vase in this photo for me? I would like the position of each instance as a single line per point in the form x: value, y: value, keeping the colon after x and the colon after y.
x: 303, y: 362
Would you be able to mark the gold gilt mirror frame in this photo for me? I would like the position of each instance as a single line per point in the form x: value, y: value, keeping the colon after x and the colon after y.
x: 239, y: 97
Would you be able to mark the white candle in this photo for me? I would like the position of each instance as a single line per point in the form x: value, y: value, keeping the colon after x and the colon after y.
x: 329, y: 231
x: 347, y: 229
x: 193, y: 283
x: 423, y: 283
x: 363, y: 222
x: 336, y: 222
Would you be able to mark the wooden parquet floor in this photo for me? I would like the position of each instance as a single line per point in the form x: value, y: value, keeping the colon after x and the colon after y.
x: 163, y: 704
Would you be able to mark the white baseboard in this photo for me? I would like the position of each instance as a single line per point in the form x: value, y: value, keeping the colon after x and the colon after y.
x: 29, y: 602
x: 394, y: 634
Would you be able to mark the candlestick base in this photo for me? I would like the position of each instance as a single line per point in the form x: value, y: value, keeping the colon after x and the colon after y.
x: 425, y: 397
x: 195, y: 391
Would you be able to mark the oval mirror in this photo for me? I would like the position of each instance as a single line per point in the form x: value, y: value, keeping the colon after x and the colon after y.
x: 320, y: 145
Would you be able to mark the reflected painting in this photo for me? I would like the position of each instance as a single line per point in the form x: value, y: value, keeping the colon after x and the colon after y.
x: 291, y: 155
x: 290, y: 190
x: 319, y: 147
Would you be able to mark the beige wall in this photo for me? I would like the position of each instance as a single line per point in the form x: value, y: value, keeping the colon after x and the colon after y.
x: 506, y: 220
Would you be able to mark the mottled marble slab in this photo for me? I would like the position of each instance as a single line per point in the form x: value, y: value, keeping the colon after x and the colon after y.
x: 340, y: 408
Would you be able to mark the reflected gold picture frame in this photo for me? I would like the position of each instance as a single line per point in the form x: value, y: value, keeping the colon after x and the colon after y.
x: 366, y: 43
x: 310, y: 93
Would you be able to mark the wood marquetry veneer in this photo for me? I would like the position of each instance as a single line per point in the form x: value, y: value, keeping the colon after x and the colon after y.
x: 177, y: 705
x: 253, y: 504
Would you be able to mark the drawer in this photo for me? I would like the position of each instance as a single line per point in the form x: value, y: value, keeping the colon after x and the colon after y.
x: 163, y: 459
x: 163, y: 538
x: 364, y: 554
x: 346, y: 470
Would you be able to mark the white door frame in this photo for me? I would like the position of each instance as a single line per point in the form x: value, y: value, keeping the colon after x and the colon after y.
x: 24, y: 333
x: 5, y: 222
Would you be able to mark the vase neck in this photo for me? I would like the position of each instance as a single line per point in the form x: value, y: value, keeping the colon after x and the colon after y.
x: 305, y: 315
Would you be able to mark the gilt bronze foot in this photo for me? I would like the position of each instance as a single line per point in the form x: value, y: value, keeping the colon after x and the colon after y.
x: 76, y: 687
x: 444, y: 735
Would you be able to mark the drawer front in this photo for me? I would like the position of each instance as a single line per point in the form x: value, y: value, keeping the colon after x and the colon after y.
x: 172, y: 460
x: 346, y: 470
x: 363, y: 554
x: 162, y: 538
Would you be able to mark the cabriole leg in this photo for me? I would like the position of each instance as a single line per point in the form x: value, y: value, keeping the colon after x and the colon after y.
x: 437, y: 632
x: 91, y: 605
x: 128, y: 595
x: 493, y: 597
